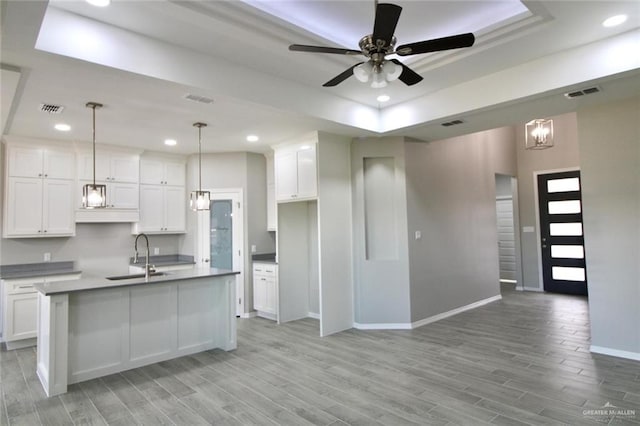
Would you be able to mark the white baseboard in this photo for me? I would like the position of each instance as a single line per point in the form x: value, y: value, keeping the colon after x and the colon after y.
x: 539, y: 290
x: 19, y: 344
x: 455, y: 311
x: 615, y: 352
x: 383, y: 326
x: 416, y: 324
x: 248, y: 314
x: 313, y: 315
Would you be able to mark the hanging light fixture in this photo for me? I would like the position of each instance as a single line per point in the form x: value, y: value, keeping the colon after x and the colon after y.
x: 200, y: 200
x: 539, y: 134
x: 94, y: 196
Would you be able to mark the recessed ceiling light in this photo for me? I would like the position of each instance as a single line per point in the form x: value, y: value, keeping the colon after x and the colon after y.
x: 99, y: 3
x: 614, y: 21
x: 252, y: 138
x: 170, y: 142
x: 62, y: 127
x: 383, y: 98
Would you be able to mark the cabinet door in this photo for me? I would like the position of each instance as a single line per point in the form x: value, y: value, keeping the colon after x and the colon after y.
x: 20, y: 317
x: 84, y: 162
x: 151, y: 208
x: 175, y: 208
x: 124, y: 168
x: 59, y: 164
x: 259, y: 292
x: 270, y: 295
x: 286, y: 171
x: 24, y: 207
x: 151, y: 172
x: 174, y: 173
x: 25, y: 162
x: 58, y: 207
x: 307, y: 176
x: 122, y: 195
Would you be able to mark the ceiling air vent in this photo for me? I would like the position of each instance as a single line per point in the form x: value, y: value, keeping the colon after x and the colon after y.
x: 452, y: 123
x: 51, y: 108
x: 198, y: 98
x: 582, y: 92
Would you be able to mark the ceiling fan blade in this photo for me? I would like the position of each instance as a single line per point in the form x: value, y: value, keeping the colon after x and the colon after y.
x: 408, y: 76
x: 437, y: 44
x: 341, y: 77
x: 323, y: 49
x: 387, y: 16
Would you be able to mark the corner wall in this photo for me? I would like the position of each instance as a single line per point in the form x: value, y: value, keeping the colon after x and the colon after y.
x: 451, y: 202
x: 562, y: 156
x: 610, y: 166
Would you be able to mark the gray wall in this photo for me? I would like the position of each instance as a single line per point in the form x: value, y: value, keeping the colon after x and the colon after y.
x: 451, y: 200
x: 97, y: 248
x: 610, y: 165
x: 564, y: 155
x: 246, y: 171
x: 381, y: 285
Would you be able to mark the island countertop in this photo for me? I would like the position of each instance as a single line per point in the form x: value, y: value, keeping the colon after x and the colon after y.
x: 88, y: 282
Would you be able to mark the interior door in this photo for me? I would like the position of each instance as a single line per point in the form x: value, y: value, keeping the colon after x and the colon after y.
x: 221, y: 238
x: 506, y: 240
x: 561, y: 233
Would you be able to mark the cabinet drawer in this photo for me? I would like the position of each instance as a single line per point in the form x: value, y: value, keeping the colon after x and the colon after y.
x: 17, y: 287
x: 267, y: 269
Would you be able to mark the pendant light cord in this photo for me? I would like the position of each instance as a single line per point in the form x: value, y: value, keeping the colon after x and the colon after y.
x: 93, y: 106
x: 199, y: 126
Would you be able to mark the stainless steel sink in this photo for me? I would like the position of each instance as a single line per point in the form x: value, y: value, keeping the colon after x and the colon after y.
x: 126, y: 277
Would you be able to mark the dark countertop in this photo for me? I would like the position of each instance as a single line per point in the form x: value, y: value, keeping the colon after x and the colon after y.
x: 95, y: 282
x: 264, y: 258
x: 32, y: 270
x: 164, y: 260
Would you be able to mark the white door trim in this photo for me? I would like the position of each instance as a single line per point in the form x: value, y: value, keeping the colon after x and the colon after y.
x: 203, y: 238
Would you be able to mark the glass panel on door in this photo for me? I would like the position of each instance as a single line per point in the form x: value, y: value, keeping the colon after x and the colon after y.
x: 563, y: 185
x: 221, y: 234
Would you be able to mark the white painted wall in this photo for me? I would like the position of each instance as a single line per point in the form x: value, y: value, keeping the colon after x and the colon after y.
x: 610, y: 164
x: 451, y: 200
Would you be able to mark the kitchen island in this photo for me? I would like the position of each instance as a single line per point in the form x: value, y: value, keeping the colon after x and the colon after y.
x: 94, y: 326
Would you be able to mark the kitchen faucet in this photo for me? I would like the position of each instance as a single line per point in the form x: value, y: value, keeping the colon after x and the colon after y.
x: 147, y: 268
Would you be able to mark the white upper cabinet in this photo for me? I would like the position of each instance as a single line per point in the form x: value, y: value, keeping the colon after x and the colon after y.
x: 163, y: 201
x: 296, y: 172
x: 162, y: 172
x: 38, y: 192
x: 41, y: 162
x: 110, y: 166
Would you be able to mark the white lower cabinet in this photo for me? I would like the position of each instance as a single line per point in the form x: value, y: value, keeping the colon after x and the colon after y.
x: 265, y: 289
x: 20, y: 305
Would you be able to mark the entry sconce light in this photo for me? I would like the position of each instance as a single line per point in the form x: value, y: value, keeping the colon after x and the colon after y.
x: 94, y: 196
x: 539, y: 134
x: 200, y: 199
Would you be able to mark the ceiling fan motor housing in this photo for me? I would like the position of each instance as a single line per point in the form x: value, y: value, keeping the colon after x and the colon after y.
x: 376, y: 49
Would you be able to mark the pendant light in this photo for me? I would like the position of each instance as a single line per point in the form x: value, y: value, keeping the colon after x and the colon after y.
x: 200, y: 199
x: 94, y: 196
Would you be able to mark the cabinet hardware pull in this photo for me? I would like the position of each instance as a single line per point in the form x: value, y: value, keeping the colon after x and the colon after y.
x: 45, y: 230
x: 46, y: 175
x: 39, y: 174
x: 26, y: 286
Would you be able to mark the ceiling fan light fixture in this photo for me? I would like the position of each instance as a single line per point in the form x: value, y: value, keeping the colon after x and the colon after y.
x: 363, y: 71
x: 379, y: 81
x: 392, y: 71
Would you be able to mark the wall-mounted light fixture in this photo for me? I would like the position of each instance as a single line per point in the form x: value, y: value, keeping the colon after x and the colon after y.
x: 200, y: 199
x: 539, y: 134
x: 94, y: 196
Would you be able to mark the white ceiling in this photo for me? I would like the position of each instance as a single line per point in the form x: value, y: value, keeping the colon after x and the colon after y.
x: 140, y: 58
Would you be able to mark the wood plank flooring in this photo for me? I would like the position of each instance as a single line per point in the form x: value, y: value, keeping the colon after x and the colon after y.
x: 523, y: 360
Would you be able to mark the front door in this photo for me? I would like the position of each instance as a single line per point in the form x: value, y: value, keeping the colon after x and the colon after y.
x: 561, y: 233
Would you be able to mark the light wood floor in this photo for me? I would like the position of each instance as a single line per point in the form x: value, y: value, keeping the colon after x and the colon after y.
x: 522, y: 360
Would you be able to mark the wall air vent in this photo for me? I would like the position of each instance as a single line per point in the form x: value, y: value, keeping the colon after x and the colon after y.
x: 452, y: 123
x: 198, y: 98
x: 51, y: 108
x: 582, y: 92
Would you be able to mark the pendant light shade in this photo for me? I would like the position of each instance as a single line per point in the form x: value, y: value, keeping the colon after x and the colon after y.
x: 200, y: 200
x: 94, y: 196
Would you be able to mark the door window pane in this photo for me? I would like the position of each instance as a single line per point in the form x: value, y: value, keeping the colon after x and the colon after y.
x: 567, y: 274
x: 564, y: 207
x: 568, y: 252
x: 565, y: 229
x: 221, y: 234
x: 563, y: 185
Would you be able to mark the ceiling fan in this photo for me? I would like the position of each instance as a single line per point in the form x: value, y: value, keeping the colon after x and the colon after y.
x: 381, y: 43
